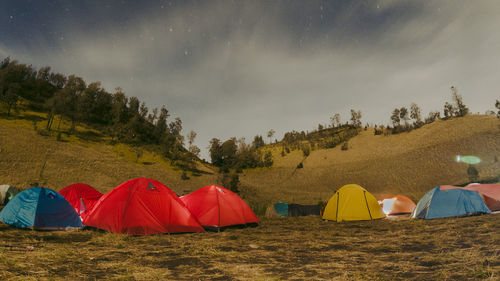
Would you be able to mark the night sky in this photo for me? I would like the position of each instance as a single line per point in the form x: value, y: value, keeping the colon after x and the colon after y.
x: 240, y: 68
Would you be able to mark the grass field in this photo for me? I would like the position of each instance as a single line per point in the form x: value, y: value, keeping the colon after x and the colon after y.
x: 304, y: 248
x: 409, y: 163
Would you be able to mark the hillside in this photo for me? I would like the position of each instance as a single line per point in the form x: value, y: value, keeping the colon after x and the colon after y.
x: 408, y: 163
x: 27, y: 158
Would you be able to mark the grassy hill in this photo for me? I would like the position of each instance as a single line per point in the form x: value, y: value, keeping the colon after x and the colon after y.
x: 407, y: 163
x: 27, y: 158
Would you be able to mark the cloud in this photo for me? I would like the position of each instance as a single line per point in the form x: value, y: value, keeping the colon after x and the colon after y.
x: 242, y: 69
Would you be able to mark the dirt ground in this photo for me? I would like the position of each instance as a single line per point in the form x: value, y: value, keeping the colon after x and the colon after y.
x: 304, y: 248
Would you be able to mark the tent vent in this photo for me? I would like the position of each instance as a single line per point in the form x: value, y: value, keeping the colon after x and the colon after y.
x: 151, y: 187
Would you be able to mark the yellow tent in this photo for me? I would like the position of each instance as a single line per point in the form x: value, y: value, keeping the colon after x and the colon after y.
x: 352, y: 203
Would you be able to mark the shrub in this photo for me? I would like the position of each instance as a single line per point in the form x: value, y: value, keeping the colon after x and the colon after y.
x: 345, y: 146
x: 300, y: 166
x: 184, y: 176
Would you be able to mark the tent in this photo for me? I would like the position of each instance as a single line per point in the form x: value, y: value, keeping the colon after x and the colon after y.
x: 7, y: 192
x: 281, y: 208
x: 217, y: 207
x: 449, y: 201
x: 397, y: 205
x: 81, y: 196
x: 297, y: 210
x: 352, y: 203
x: 40, y: 208
x: 139, y: 207
x: 489, y: 192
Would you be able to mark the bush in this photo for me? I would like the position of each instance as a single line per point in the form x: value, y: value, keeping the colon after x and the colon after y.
x: 184, y: 176
x: 300, y: 166
x: 345, y: 146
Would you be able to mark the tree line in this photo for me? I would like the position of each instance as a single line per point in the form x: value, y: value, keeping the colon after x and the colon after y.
x: 70, y: 98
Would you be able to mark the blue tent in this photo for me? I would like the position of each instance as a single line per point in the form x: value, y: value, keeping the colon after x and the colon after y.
x: 281, y: 208
x: 40, y: 208
x: 449, y: 202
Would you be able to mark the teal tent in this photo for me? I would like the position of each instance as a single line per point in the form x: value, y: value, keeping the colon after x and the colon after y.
x: 449, y: 201
x: 40, y: 208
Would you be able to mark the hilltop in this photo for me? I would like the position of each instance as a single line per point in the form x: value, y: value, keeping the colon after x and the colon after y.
x: 408, y: 163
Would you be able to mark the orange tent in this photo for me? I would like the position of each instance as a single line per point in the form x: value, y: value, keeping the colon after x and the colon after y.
x: 397, y: 205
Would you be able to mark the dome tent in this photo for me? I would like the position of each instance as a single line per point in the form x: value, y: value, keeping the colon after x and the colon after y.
x: 449, y: 201
x: 81, y: 196
x: 7, y: 192
x: 397, y: 205
x: 40, y: 208
x: 217, y: 207
x: 139, y: 207
x: 352, y: 203
x: 489, y: 192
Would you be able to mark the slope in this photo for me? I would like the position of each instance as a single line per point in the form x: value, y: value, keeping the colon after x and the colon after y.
x: 408, y: 163
x: 27, y: 158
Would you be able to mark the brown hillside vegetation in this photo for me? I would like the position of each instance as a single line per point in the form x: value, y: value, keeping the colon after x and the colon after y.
x: 408, y: 163
x: 27, y: 158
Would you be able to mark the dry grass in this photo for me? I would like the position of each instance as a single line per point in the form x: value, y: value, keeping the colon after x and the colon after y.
x: 408, y: 163
x: 304, y: 248
x: 27, y: 157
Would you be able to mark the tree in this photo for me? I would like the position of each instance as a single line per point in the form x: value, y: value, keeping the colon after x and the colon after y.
x: 356, y: 118
x: 433, y: 116
x: 270, y: 134
x: 215, y: 150
x: 497, y: 105
x: 403, y: 114
x: 268, y: 159
x: 192, y: 148
x: 415, y: 114
x: 10, y: 97
x: 395, y: 117
x: 335, y: 120
x: 258, y: 141
x: 448, y: 110
x: 460, y: 108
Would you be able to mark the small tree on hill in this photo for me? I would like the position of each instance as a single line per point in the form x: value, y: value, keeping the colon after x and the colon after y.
x: 497, y: 105
x: 270, y: 134
x: 356, y: 118
x: 395, y: 117
x: 403, y: 114
x: 460, y: 108
x: 415, y: 114
x: 448, y: 110
x: 335, y: 120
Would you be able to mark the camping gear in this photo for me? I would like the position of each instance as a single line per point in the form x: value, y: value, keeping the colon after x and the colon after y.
x: 489, y: 192
x: 139, y: 207
x: 81, y: 196
x: 40, y: 208
x: 397, y: 205
x: 297, y: 210
x: 352, y: 203
x: 449, y: 201
x: 281, y: 208
x: 7, y: 192
x: 216, y: 207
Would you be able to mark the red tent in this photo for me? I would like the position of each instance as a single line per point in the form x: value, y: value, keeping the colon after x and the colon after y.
x: 215, y: 206
x: 490, y: 193
x: 139, y: 207
x: 397, y: 205
x: 81, y: 196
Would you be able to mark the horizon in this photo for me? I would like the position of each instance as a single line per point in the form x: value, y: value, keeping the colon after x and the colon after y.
x: 240, y: 69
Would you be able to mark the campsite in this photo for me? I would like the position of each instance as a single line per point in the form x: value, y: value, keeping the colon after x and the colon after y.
x: 249, y: 140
